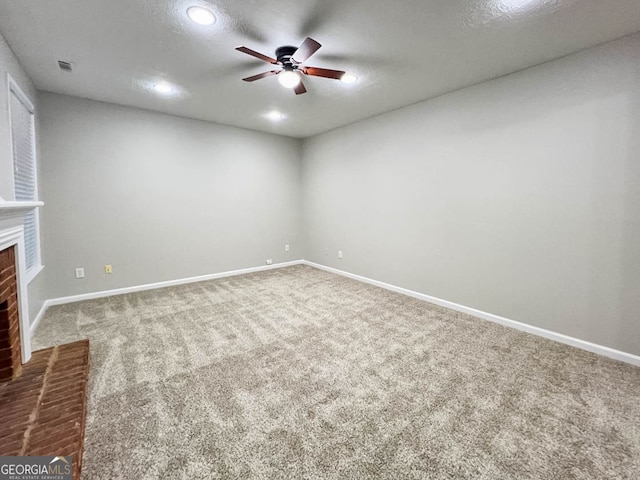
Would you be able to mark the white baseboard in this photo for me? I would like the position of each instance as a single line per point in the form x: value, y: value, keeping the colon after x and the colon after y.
x: 150, y: 286
x: 558, y: 337
x: 36, y: 320
x: 541, y: 332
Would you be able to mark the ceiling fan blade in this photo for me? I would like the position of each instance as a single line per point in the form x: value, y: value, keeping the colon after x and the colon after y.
x: 299, y: 89
x: 261, y: 75
x: 304, y: 51
x: 259, y: 55
x: 322, y: 72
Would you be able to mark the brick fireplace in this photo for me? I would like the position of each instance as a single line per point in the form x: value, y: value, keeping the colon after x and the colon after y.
x: 15, y: 338
x: 10, y: 352
x: 43, y: 397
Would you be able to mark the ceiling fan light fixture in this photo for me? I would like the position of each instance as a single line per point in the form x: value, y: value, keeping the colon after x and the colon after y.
x: 201, y: 15
x: 289, y: 79
x: 348, y: 78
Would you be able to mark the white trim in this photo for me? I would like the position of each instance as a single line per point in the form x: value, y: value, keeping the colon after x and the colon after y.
x: 10, y: 84
x: 16, y: 211
x: 10, y: 237
x: 558, y: 337
x: 38, y: 317
x: 14, y: 88
x: 541, y: 332
x: 19, y: 207
x: 37, y: 268
x: 168, y: 283
x: 33, y: 272
x: 22, y: 96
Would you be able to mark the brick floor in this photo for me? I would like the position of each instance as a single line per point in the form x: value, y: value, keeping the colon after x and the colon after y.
x: 44, y: 409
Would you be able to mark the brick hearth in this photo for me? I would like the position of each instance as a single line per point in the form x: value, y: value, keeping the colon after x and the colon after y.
x: 42, y: 402
x: 44, y: 409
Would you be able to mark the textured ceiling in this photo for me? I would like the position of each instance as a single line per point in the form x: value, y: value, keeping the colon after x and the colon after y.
x: 401, y: 51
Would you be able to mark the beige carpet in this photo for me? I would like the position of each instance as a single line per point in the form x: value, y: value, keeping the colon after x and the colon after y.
x: 300, y: 374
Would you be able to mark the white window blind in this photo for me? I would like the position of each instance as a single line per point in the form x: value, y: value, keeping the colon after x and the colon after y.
x: 24, y: 169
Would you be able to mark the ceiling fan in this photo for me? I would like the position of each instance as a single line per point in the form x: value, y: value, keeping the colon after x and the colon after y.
x: 290, y: 60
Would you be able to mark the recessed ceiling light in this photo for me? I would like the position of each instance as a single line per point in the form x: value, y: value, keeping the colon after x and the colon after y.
x: 289, y: 79
x: 514, y: 5
x: 201, y: 15
x: 275, y: 116
x: 163, y: 88
x: 348, y: 78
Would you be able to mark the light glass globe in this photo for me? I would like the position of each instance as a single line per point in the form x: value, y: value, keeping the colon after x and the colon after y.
x: 289, y: 79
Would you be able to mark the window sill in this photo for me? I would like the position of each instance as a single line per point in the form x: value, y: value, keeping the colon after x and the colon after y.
x: 17, y: 206
x: 33, y: 273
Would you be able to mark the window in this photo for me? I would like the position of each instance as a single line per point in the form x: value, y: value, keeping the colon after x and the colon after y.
x: 23, y: 142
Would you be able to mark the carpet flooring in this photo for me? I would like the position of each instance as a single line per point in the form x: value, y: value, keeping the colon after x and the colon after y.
x: 297, y: 373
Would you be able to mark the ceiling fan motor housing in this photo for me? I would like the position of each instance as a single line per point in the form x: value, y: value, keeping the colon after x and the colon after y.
x: 284, y: 54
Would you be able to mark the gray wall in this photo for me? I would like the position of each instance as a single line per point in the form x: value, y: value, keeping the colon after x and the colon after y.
x: 9, y: 65
x: 519, y: 197
x: 159, y: 197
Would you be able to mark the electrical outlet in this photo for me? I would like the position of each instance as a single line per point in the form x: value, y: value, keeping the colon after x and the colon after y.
x: 107, y: 269
x: 339, y: 253
x: 286, y: 248
x: 269, y: 261
x: 80, y: 272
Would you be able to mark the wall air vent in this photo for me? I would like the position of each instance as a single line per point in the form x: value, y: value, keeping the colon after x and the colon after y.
x: 66, y: 66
